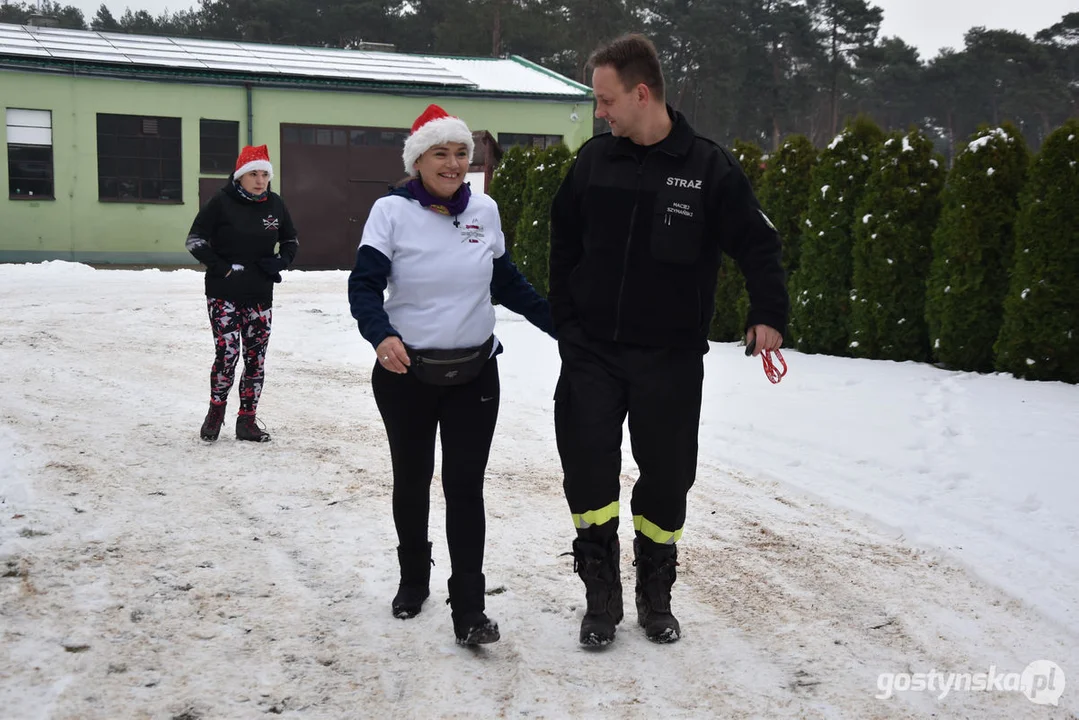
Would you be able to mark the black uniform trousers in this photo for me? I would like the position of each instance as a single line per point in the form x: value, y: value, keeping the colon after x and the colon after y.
x: 465, y: 416
x: 660, y: 390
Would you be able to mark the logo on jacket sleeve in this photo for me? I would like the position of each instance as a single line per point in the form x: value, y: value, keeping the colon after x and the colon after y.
x: 766, y: 219
x: 271, y: 223
x: 683, y: 183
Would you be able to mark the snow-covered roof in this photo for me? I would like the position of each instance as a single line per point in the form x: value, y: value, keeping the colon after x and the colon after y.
x: 498, y: 75
x: 512, y: 75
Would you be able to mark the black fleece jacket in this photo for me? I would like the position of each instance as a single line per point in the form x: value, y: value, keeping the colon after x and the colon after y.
x: 231, y: 230
x: 637, y: 235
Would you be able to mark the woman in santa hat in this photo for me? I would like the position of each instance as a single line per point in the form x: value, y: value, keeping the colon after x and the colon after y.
x: 438, y: 246
x: 245, y: 238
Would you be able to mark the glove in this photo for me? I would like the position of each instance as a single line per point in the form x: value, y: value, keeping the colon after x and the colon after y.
x: 273, y: 264
x: 220, y: 269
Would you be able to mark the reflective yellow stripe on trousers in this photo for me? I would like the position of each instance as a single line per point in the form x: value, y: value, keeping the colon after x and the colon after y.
x: 595, y: 517
x: 654, y: 532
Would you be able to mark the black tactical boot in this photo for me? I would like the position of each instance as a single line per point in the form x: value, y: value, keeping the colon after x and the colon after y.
x: 247, y: 429
x: 470, y: 625
x: 597, y: 565
x: 211, y: 426
x: 415, y: 583
x: 655, y: 575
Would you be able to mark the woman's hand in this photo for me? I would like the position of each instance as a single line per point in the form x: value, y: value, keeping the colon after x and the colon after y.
x: 392, y: 355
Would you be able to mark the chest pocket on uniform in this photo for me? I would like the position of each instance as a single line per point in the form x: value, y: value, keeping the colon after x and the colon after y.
x: 677, y: 230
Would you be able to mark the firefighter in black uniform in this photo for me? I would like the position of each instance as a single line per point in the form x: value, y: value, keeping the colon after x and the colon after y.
x: 637, y: 230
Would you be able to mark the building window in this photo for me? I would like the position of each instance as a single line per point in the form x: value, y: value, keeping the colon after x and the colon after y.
x: 384, y: 138
x: 219, y: 144
x: 337, y: 136
x: 29, y: 154
x: 138, y: 159
x: 540, y: 142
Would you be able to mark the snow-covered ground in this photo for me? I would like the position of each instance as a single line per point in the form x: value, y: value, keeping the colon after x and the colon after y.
x: 859, y: 519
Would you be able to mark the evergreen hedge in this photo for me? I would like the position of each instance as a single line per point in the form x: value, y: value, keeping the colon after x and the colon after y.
x: 820, y: 289
x: 533, y: 242
x: 893, y: 232
x: 1039, y: 338
x: 508, y: 189
x: 973, y: 248
x: 784, y: 193
x: 752, y: 158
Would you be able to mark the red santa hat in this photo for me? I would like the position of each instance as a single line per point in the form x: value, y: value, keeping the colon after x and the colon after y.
x: 253, y: 158
x: 435, y: 127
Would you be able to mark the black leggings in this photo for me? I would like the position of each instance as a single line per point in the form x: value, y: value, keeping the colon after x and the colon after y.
x: 465, y: 415
x: 236, y: 326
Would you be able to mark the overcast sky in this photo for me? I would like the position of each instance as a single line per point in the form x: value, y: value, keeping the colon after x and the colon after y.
x: 926, y: 24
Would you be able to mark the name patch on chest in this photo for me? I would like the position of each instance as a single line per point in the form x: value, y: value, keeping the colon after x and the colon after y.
x: 679, y: 208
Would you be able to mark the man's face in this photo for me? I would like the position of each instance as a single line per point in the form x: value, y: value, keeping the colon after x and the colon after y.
x: 621, y: 108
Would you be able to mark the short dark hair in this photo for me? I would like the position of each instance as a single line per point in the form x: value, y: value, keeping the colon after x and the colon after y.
x: 636, y: 61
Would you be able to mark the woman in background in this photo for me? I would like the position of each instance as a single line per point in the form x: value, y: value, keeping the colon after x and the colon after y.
x: 245, y: 238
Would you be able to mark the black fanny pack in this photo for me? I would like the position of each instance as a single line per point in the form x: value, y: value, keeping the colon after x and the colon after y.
x: 450, y: 367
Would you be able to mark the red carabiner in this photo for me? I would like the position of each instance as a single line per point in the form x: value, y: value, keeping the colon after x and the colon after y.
x: 770, y: 370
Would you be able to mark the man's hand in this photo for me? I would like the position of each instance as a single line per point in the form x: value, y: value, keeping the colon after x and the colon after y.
x: 392, y: 355
x: 762, y: 337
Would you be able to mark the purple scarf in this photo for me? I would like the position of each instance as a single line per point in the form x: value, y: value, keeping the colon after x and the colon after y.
x: 455, y: 206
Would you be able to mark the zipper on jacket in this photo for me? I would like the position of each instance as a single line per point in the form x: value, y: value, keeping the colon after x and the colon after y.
x: 629, y: 243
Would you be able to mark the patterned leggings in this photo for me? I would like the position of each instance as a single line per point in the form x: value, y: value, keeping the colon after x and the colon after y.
x: 233, y: 325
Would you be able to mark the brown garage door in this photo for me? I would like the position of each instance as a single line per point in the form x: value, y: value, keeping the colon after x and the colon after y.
x: 335, y: 174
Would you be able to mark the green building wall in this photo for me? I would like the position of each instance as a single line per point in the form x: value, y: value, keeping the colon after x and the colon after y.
x: 77, y: 226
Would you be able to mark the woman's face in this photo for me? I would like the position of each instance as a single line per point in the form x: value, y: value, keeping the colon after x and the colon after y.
x: 255, y: 182
x: 442, y: 168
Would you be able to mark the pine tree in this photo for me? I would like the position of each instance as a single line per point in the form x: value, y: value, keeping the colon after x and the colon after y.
x: 820, y: 289
x: 784, y: 193
x: 533, y: 243
x: 508, y: 189
x: 1039, y: 339
x: 891, y: 253
x: 104, y: 21
x: 973, y: 248
x: 732, y: 300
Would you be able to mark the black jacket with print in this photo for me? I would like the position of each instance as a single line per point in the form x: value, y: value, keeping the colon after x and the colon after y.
x: 636, y: 244
x: 232, y: 230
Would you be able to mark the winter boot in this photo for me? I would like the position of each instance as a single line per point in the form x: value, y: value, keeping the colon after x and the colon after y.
x: 247, y: 429
x: 655, y: 565
x: 470, y: 625
x: 211, y: 426
x: 415, y: 581
x: 597, y: 565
